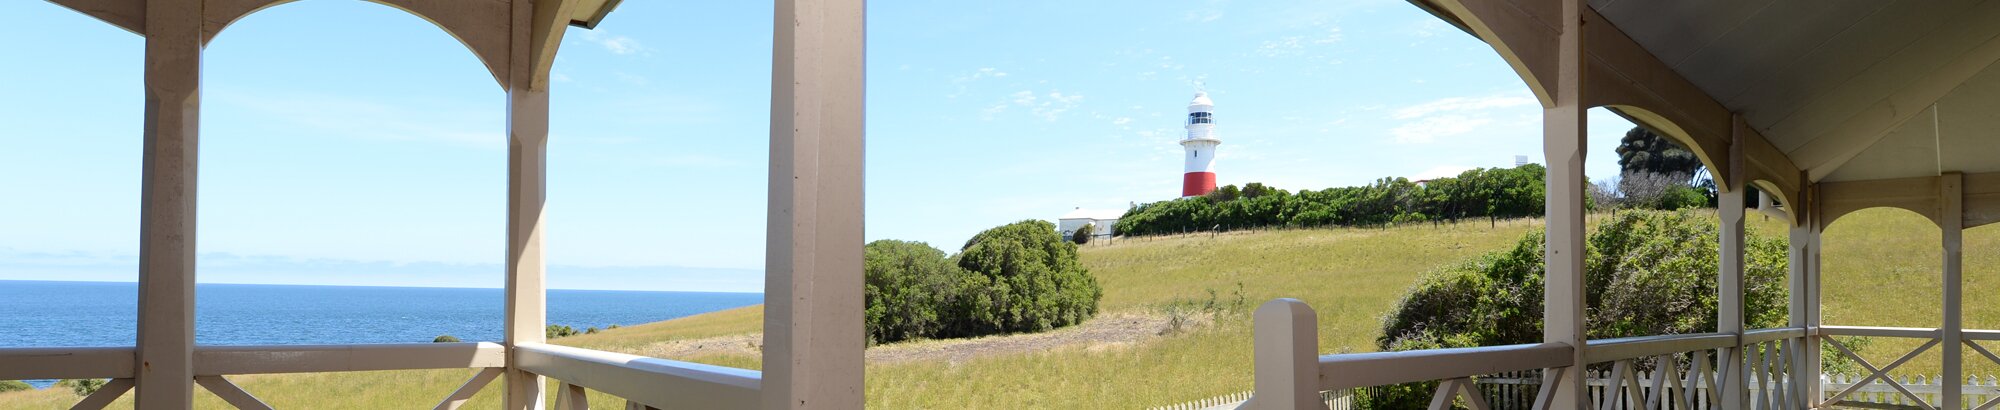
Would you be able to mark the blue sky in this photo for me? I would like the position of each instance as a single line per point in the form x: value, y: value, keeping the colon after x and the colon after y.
x: 345, y: 142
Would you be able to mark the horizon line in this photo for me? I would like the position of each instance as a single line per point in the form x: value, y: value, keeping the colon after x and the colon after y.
x: 370, y: 286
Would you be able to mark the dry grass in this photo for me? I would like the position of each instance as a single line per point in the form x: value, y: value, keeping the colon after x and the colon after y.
x: 1880, y: 270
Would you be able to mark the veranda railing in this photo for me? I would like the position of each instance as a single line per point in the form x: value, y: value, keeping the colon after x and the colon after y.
x: 643, y: 382
x: 1653, y: 372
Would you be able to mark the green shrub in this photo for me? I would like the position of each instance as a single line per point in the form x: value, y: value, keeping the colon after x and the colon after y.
x: 1020, y: 277
x: 1479, y: 193
x: 1031, y: 282
x: 1681, y: 197
x: 1083, y: 233
x: 907, y: 287
x: 445, y: 339
x: 82, y: 387
x: 14, y: 385
x: 555, y: 331
x: 1645, y: 273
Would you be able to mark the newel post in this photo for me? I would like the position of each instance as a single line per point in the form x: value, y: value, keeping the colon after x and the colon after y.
x: 1287, y: 357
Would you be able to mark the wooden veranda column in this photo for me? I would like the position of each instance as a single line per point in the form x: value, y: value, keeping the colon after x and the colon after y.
x: 535, y: 30
x: 527, y: 189
x: 1563, y: 142
x: 1734, y: 381
x: 165, y: 374
x: 1951, y: 198
x: 813, y: 337
x: 1803, y: 308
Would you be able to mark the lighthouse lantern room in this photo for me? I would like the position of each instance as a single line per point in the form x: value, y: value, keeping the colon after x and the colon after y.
x: 1200, y: 143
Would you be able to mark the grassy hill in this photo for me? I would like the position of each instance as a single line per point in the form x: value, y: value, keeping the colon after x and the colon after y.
x: 1880, y: 270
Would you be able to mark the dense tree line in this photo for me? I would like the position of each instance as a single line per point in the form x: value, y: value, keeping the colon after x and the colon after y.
x: 1479, y: 193
x: 1019, y: 277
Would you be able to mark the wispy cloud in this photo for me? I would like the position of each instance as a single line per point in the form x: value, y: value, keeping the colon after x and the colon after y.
x: 962, y: 82
x: 1048, y: 106
x: 614, y: 43
x: 1207, y: 13
x: 1297, y: 45
x: 1426, y: 122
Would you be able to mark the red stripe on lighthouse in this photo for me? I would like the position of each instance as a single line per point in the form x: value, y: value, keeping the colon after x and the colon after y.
x: 1197, y: 183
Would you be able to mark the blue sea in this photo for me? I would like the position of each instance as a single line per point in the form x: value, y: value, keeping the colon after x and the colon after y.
x: 44, y: 314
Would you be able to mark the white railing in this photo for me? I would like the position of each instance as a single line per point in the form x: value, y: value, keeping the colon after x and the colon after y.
x: 1879, y: 386
x: 642, y: 381
x: 1290, y: 372
x: 1652, y: 372
x: 212, y: 363
x: 639, y: 380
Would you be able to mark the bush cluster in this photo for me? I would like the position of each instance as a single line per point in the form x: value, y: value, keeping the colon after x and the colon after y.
x: 1479, y: 193
x: 1645, y: 273
x: 1019, y: 277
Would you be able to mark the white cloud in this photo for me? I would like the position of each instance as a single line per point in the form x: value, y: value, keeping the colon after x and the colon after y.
x: 1121, y: 121
x: 1049, y: 106
x: 1428, y: 129
x: 962, y: 80
x: 1293, y: 46
x: 1461, y: 104
x: 1427, y: 122
x: 614, y: 43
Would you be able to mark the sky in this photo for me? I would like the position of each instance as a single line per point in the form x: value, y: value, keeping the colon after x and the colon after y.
x: 349, y: 143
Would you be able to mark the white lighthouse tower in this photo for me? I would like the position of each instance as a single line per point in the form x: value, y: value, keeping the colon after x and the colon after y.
x: 1200, y: 144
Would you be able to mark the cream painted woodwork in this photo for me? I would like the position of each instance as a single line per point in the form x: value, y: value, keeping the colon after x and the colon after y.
x: 813, y: 325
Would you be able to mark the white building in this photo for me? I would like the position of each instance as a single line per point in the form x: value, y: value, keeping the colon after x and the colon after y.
x: 1101, y: 218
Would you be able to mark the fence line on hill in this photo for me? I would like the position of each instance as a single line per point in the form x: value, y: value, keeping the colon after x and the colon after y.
x: 1226, y: 230
x: 1516, y: 391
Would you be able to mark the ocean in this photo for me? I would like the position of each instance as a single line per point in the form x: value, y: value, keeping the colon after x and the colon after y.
x: 46, y: 314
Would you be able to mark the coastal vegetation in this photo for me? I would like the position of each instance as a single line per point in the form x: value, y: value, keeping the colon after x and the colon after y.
x: 1487, y: 193
x: 1019, y: 277
x: 1648, y: 272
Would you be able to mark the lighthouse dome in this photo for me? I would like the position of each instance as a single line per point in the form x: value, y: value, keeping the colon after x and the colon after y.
x: 1201, y: 100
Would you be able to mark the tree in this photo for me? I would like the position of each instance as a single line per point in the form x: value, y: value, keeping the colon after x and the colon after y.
x: 908, y: 287
x: 1646, y: 273
x: 1033, y: 281
x: 445, y: 339
x: 555, y: 331
x: 1641, y: 150
x: 1083, y: 233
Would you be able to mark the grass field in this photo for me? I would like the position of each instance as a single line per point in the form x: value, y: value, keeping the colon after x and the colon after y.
x: 1880, y: 270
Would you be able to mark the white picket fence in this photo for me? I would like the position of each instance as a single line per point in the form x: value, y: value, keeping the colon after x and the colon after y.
x: 1335, y: 400
x: 1976, y: 391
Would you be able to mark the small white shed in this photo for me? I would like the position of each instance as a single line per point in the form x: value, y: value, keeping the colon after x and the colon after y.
x: 1102, y: 218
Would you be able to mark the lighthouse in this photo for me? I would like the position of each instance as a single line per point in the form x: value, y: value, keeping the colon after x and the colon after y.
x: 1200, y: 143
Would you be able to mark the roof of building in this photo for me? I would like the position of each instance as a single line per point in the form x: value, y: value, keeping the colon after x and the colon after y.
x: 1097, y: 214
